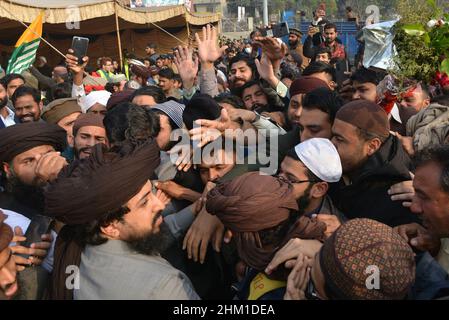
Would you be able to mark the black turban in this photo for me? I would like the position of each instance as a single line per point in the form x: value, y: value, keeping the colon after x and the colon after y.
x: 22, y: 137
x: 91, y: 188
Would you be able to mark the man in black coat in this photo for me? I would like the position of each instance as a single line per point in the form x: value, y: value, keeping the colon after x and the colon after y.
x: 373, y: 160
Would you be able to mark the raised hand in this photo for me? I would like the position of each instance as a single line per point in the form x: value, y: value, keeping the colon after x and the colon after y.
x: 208, y: 48
x: 274, y: 49
x: 77, y: 69
x: 187, y: 66
x: 266, y: 70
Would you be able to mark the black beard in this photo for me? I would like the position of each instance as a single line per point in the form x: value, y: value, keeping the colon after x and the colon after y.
x: 293, y: 43
x: 3, y: 102
x: 78, y: 152
x: 30, y: 196
x: 304, y: 201
x: 151, y: 244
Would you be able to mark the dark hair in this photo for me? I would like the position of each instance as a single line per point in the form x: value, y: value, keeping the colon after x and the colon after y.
x: 231, y: 99
x: 25, y: 91
x: 348, y: 8
x: 91, y: 233
x: 110, y: 87
x: 325, y: 100
x: 152, y: 45
x: 248, y: 60
x: 363, y: 75
x: 177, y: 77
x: 290, y: 73
x: 104, y: 60
x: 157, y: 113
x: 322, y: 50
x: 142, y: 124
x: 318, y: 67
x: 365, y: 135
x: 440, y: 156
x: 13, y: 76
x: 330, y: 26
x: 441, y: 99
x: 3, y: 83
x: 116, y: 122
x: 166, y: 73
x: 425, y: 89
x: 61, y: 91
x: 247, y: 85
x: 152, y: 91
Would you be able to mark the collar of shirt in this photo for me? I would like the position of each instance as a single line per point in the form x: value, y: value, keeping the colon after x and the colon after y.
x: 9, y: 118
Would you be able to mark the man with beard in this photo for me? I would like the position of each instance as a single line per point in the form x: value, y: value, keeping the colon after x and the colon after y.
x: 8, y: 273
x: 88, y: 130
x: 242, y: 70
x: 7, y: 116
x: 299, y: 88
x: 295, y: 45
x: 409, y: 103
x: 114, y: 237
x: 64, y: 113
x: 30, y: 157
x: 27, y: 104
x: 330, y: 34
x: 311, y: 166
x: 261, y: 212
x: 373, y: 160
x: 254, y: 97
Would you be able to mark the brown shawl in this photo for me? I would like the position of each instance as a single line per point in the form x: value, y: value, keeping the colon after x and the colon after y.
x: 252, y: 203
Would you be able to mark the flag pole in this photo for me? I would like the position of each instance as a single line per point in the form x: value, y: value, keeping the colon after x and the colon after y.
x: 40, y: 37
x: 118, y: 35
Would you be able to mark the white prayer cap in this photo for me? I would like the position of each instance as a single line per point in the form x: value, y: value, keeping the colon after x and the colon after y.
x: 321, y: 157
x: 101, y: 97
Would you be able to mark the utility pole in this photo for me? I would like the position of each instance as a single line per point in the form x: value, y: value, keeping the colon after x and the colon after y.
x: 265, y: 12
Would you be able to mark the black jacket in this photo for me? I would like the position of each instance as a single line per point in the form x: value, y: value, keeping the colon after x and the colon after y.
x: 367, y: 196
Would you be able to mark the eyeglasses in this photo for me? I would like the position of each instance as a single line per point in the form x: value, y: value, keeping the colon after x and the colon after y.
x: 292, y: 180
x: 311, y: 293
x: 301, y: 181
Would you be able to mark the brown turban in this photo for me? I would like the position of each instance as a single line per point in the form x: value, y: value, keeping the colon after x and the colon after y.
x: 306, y: 84
x: 102, y: 183
x: 365, y: 115
x: 252, y: 203
x: 60, y: 108
x: 358, y: 244
x: 22, y: 137
x: 6, y: 233
x: 89, y: 189
x: 88, y: 120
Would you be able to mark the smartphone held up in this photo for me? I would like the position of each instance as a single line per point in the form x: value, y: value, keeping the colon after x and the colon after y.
x: 79, y: 47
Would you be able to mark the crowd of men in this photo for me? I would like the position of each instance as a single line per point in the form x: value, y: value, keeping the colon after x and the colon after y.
x: 101, y: 198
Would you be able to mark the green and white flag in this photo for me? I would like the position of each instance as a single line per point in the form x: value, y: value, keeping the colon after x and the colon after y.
x: 26, y: 47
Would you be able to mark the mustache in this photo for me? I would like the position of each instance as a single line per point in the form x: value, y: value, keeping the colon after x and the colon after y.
x: 159, y: 214
x: 27, y: 115
x: 84, y: 149
x: 3, y: 102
